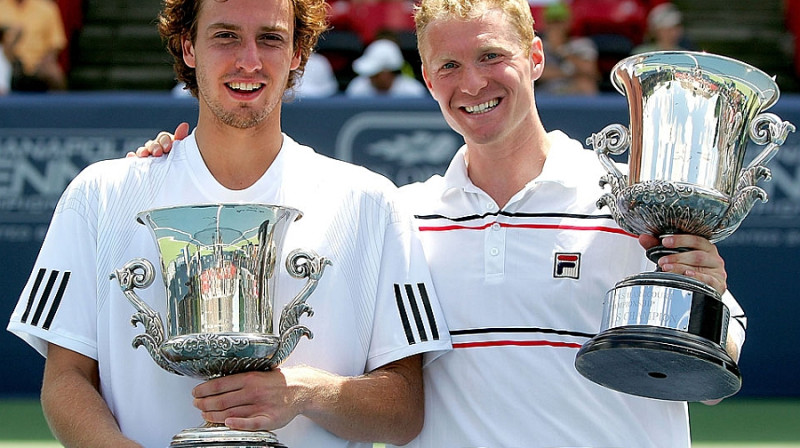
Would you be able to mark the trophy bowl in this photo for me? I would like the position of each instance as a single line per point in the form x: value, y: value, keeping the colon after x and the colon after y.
x: 218, y: 266
x: 692, y: 115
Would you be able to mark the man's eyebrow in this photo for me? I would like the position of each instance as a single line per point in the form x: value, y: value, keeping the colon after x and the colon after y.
x: 231, y: 26
x: 223, y: 25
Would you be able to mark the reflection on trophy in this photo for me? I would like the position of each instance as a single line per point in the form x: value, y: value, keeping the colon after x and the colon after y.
x: 692, y: 114
x: 218, y: 266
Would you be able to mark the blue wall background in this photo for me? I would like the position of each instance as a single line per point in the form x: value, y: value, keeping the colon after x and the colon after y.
x: 45, y: 140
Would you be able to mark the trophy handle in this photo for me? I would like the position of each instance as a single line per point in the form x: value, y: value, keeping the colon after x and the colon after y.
x: 139, y: 273
x: 299, y: 264
x: 613, y: 139
x: 768, y: 128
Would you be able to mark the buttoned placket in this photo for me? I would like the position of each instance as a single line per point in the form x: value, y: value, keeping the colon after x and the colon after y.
x: 494, y: 250
x: 495, y: 237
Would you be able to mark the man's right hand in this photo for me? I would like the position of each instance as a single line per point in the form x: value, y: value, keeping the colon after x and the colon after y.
x: 162, y: 144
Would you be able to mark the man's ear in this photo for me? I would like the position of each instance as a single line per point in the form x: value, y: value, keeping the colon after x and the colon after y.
x: 537, y: 58
x: 188, y: 52
x: 296, y: 58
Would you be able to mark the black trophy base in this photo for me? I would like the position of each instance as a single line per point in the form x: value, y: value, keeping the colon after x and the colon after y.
x: 659, y: 363
x: 220, y: 436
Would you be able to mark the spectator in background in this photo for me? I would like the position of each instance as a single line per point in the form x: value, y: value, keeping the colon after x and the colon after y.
x: 572, y: 67
x: 72, y: 12
x: 318, y: 79
x: 664, y: 30
x: 41, y: 40
x: 791, y: 10
x: 180, y: 90
x: 380, y: 73
x: 6, y: 66
x: 369, y: 18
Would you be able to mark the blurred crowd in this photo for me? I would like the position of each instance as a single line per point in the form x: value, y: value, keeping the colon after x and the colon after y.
x: 35, y: 40
x: 371, y: 47
x: 583, y: 39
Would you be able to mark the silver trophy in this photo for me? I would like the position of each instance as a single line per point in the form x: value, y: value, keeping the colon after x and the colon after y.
x: 692, y: 114
x: 218, y: 264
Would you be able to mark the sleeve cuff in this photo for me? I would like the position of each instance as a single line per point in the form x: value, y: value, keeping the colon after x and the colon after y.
x: 737, y: 326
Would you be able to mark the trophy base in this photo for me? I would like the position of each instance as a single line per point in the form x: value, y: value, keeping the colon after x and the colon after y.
x: 213, y: 436
x: 659, y: 363
x: 662, y: 337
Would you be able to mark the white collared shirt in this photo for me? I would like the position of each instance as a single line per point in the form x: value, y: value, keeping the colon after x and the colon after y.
x: 374, y: 305
x: 522, y: 289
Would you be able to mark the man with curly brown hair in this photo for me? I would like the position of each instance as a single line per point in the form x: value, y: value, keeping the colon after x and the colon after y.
x: 358, y: 381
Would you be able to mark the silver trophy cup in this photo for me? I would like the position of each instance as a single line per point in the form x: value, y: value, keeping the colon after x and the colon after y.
x: 692, y: 115
x: 218, y: 263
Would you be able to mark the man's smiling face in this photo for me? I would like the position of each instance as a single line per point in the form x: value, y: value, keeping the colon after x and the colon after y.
x: 243, y: 54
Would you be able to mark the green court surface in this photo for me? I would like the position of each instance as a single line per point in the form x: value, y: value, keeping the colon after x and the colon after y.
x: 734, y: 423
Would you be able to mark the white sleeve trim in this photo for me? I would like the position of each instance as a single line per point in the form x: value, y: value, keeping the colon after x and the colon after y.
x: 39, y: 340
x: 737, y: 326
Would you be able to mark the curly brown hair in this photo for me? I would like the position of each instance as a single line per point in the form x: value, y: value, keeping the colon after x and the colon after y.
x: 178, y: 18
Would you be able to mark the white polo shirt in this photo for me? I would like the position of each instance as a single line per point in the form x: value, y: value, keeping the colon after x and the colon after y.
x: 522, y: 289
x: 363, y: 304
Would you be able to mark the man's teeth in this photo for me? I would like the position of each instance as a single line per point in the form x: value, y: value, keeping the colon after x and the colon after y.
x: 482, y: 107
x: 246, y: 86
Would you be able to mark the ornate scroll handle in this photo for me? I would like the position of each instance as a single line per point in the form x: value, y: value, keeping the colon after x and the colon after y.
x: 768, y: 129
x: 299, y: 264
x: 139, y: 273
x: 613, y: 139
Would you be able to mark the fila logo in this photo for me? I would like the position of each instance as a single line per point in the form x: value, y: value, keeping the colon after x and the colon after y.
x: 46, y: 290
x: 567, y: 265
x: 416, y: 313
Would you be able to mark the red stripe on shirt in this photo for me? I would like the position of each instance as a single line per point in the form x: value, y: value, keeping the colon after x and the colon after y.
x: 515, y: 343
x: 526, y: 226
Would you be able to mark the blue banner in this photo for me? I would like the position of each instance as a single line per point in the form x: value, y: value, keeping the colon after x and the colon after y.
x: 45, y: 140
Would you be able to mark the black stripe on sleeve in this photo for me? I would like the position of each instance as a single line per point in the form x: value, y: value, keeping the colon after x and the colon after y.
x: 32, y: 296
x: 426, y: 302
x: 412, y: 300
x: 56, y: 301
x: 401, y: 308
x: 43, y: 299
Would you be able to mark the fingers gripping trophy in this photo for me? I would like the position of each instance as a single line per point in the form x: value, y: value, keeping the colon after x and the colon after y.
x: 692, y: 114
x: 218, y: 263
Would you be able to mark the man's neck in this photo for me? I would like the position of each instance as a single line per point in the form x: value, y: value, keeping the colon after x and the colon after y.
x: 238, y: 158
x: 503, y: 172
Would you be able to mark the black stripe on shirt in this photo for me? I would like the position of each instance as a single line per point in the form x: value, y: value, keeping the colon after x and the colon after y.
x: 487, y: 330
x: 56, y: 301
x: 423, y: 292
x: 416, y: 305
x: 38, y: 302
x: 32, y: 296
x: 512, y: 215
x: 412, y: 301
x: 401, y: 308
x: 45, y: 296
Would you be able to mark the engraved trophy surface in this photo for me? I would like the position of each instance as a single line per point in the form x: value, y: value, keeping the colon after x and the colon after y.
x: 218, y: 263
x: 692, y: 115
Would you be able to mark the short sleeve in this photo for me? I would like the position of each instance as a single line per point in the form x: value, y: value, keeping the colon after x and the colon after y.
x: 58, y: 302
x: 408, y: 317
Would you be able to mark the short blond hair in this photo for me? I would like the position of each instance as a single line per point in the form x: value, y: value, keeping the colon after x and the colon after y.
x: 517, y: 11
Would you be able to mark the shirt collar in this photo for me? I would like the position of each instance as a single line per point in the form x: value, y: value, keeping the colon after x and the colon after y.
x: 559, y: 161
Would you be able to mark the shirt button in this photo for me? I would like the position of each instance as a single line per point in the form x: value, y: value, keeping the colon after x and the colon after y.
x: 496, y: 226
x: 489, y: 206
x: 494, y: 251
